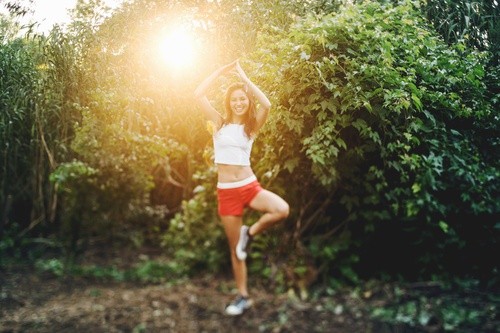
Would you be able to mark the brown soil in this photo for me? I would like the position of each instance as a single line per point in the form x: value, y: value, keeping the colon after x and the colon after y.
x: 40, y: 302
x: 33, y: 301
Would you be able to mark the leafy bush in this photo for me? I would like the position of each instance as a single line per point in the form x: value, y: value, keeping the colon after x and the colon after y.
x: 195, y: 239
x: 378, y: 132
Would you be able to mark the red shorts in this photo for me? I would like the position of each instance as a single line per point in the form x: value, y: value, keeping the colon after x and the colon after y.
x: 234, y: 197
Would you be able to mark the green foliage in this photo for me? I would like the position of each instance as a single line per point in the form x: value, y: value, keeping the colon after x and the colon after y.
x: 27, y: 136
x: 383, y: 137
x: 278, y: 270
x: 422, y: 310
x: 120, y: 135
x: 475, y: 22
x: 18, y: 79
x: 145, y: 271
x: 37, y: 91
x: 195, y: 239
x: 370, y: 123
x: 153, y: 271
x: 8, y: 244
x: 53, y: 266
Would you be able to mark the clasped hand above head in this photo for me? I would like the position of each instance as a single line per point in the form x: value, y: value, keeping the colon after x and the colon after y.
x: 252, y: 89
x: 234, y: 65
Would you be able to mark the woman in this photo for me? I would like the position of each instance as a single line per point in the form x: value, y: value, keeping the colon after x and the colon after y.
x: 237, y: 185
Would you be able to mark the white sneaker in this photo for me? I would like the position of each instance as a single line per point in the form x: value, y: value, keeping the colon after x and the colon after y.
x: 241, y: 247
x: 238, y: 306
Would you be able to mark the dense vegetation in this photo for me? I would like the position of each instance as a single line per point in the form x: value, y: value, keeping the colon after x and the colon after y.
x: 383, y: 137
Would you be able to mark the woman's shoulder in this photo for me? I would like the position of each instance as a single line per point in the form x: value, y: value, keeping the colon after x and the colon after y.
x: 212, y: 127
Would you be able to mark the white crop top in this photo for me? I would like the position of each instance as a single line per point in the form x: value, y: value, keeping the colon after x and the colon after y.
x: 232, y: 146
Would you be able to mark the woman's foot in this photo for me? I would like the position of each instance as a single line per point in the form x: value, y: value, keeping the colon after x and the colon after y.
x: 243, y: 243
x: 238, y: 306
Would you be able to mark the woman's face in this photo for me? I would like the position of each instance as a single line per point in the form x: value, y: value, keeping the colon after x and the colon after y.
x: 239, y: 103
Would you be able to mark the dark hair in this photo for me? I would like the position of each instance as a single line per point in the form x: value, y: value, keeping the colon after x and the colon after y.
x: 249, y: 120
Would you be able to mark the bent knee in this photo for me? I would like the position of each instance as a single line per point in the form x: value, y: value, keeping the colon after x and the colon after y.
x: 283, y: 211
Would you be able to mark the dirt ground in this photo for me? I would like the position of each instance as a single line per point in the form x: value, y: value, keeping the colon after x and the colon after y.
x: 36, y: 301
x: 40, y: 302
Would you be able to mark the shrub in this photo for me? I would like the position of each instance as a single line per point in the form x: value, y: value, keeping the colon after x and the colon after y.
x: 378, y: 133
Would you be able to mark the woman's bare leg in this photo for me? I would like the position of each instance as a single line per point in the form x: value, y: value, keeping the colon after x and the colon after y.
x: 232, y: 225
x: 274, y: 207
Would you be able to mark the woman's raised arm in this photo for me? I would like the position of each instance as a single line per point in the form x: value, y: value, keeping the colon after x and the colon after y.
x: 200, y: 93
x: 264, y: 103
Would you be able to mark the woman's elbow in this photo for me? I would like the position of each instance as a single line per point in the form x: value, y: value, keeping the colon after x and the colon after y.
x: 199, y: 97
x: 266, y: 106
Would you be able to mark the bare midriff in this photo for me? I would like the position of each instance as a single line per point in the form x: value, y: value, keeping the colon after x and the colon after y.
x: 233, y: 173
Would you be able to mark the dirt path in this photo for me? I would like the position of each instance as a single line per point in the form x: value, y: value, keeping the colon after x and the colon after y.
x: 41, y: 303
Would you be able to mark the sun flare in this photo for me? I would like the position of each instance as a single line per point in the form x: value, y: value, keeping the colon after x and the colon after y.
x: 177, y: 49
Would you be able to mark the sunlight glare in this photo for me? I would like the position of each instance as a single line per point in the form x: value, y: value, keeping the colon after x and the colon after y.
x: 177, y: 49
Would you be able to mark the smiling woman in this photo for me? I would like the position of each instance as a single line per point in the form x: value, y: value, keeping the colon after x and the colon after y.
x: 177, y: 49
